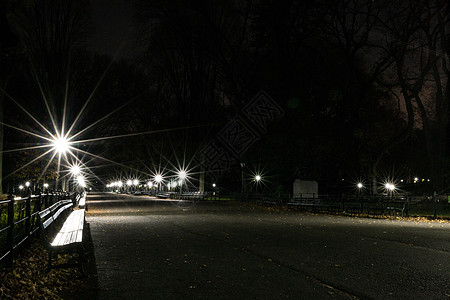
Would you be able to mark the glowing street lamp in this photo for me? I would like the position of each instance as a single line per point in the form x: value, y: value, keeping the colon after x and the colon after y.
x: 75, y: 170
x: 158, y: 179
x: 60, y: 145
x: 257, y: 180
x: 389, y: 187
x: 182, y: 175
x: 27, y: 184
x: 81, y: 181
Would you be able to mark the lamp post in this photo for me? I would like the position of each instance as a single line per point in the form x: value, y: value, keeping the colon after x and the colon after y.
x: 158, y: 179
x: 257, y: 180
x: 129, y: 183
x: 390, y: 188
x: 60, y: 145
x: 135, y: 184
x: 242, y: 176
x: 182, y: 175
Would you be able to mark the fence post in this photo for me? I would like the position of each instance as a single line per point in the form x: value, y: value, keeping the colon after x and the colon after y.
x: 28, y: 216
x: 435, y: 205
x: 10, y: 234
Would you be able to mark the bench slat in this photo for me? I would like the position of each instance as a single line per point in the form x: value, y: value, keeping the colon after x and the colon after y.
x: 72, y: 229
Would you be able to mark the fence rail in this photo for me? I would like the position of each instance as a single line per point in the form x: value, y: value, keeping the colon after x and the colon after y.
x: 436, y: 206
x: 18, y: 221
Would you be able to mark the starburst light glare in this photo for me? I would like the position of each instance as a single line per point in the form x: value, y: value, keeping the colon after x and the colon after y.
x: 75, y: 170
x: 258, y: 178
x: 60, y: 145
x: 182, y: 175
x: 150, y: 184
x: 158, y: 178
x: 20, y: 187
x: 129, y: 182
x: 81, y: 181
x: 27, y: 184
x: 360, y: 185
x: 389, y: 186
x: 135, y: 182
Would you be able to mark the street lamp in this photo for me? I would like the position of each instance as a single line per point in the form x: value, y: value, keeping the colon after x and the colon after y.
x: 182, y: 175
x: 257, y: 180
x: 135, y: 184
x: 158, y: 179
x: 81, y: 181
x: 75, y: 170
x: 390, y: 188
x: 60, y: 145
x: 242, y: 176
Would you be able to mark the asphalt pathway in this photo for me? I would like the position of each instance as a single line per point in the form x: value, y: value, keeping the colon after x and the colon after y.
x: 150, y: 249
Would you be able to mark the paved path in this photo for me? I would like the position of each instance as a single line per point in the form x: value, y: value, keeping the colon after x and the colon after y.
x: 148, y: 249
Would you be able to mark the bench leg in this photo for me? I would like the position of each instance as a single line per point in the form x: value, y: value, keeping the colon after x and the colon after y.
x: 80, y: 260
x: 50, y: 258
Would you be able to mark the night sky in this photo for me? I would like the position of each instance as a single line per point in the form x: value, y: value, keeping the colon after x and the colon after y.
x: 115, y: 30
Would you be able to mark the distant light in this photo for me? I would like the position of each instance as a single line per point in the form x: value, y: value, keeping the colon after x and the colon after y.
x: 27, y: 184
x: 46, y: 185
x: 401, y: 180
x: 360, y: 185
x: 158, y: 178
x: 75, y: 170
x: 60, y: 145
x: 182, y: 175
x: 257, y: 178
x: 389, y: 186
x: 428, y: 180
x: 416, y: 178
x: 129, y: 182
x: 135, y: 182
x: 20, y: 187
x: 214, y: 185
x: 81, y: 181
x: 150, y: 184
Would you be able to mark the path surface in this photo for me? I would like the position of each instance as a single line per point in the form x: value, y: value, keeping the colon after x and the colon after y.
x: 147, y: 249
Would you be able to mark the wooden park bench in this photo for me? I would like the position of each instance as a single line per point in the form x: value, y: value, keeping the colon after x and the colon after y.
x: 302, y: 203
x: 61, y: 231
x: 268, y: 201
x: 396, y: 208
x: 192, y: 196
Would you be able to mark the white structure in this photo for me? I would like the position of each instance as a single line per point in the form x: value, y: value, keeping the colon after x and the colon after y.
x: 305, y: 189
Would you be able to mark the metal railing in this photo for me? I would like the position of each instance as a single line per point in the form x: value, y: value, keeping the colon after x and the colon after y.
x: 19, y: 221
